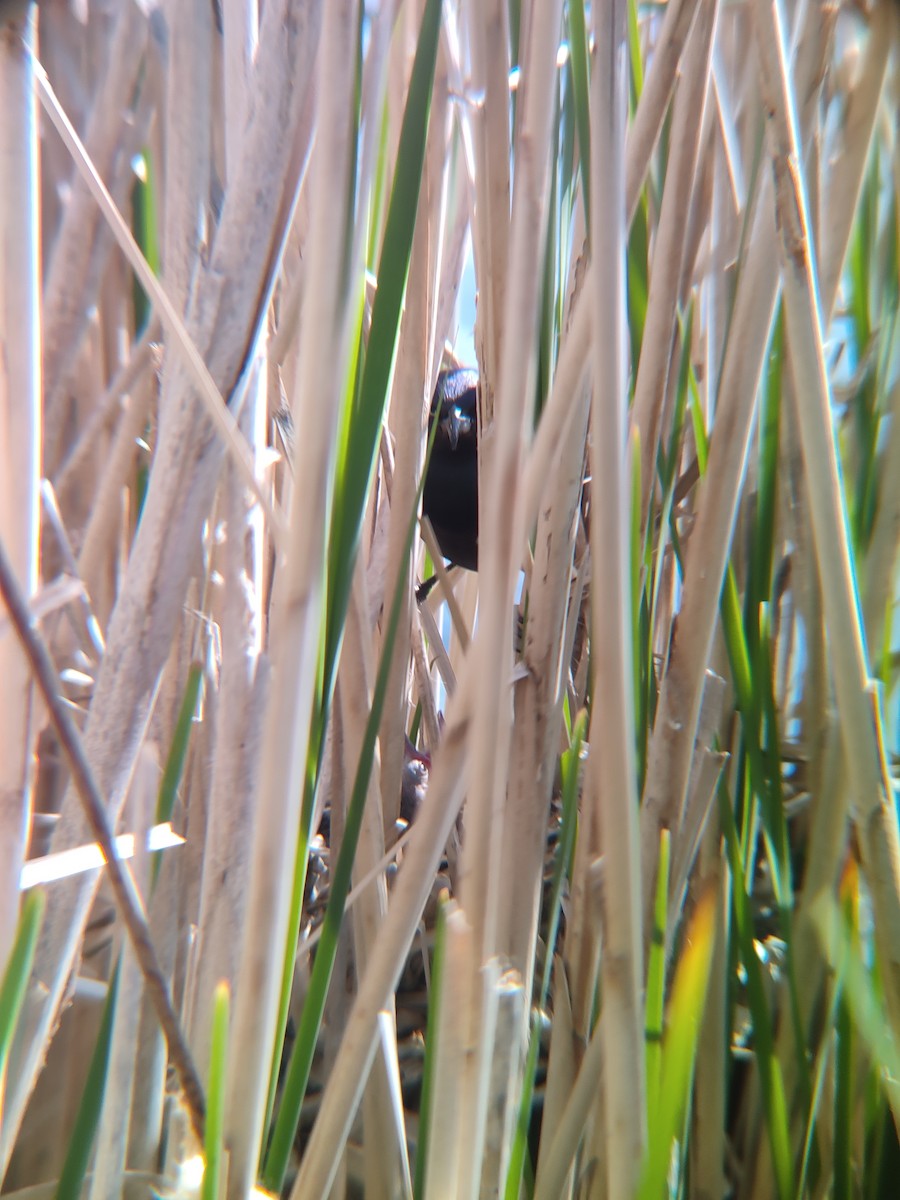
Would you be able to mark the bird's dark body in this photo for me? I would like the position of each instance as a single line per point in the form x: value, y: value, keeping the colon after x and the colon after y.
x: 450, y: 497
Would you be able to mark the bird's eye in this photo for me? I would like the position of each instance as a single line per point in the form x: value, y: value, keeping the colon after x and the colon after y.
x: 464, y: 422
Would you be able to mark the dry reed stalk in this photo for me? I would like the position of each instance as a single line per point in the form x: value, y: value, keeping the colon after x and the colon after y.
x: 105, y: 519
x: 443, y: 1165
x: 847, y: 166
x: 611, y: 778
x: 584, y: 932
x: 670, y: 255
x: 423, y: 690
x: 243, y: 690
x: 705, y: 770
x: 539, y: 693
x: 486, y: 29
x: 238, y: 611
x: 115, y: 398
x: 505, y: 1080
x: 20, y: 439
x: 82, y: 239
x: 188, y: 101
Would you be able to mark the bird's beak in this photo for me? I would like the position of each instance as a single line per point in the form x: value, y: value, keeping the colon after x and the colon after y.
x: 456, y: 425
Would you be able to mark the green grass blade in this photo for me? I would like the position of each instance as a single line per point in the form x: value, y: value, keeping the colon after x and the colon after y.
x: 845, y: 1053
x: 355, y: 471
x: 759, y: 584
x: 773, y: 1098
x: 174, y: 768
x: 634, y: 51
x: 680, y: 1047
x: 579, y: 68
x: 81, y: 1143
x: 638, y: 279
x: 518, y: 1159
x: 859, y: 259
x: 177, y: 756
x: 570, y: 770
x: 18, y: 969
x: 146, y: 231
x: 656, y: 980
x: 643, y: 650
x: 215, y: 1095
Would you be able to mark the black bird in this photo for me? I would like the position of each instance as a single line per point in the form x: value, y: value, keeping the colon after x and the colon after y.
x: 450, y: 496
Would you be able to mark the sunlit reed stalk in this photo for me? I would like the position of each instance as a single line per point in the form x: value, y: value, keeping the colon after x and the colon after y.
x: 612, y: 790
x: 20, y: 438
